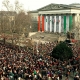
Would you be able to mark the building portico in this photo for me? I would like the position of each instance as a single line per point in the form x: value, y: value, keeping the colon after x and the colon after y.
x: 54, y: 23
x: 57, y: 18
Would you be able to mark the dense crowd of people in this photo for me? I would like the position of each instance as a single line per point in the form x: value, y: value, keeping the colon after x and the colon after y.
x: 35, y: 63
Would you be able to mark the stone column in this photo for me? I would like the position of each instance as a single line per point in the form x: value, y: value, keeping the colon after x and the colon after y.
x: 67, y: 23
x: 70, y: 22
x: 42, y: 23
x: 54, y: 24
x: 59, y: 24
x: 64, y: 23
x: 46, y: 25
x: 50, y: 23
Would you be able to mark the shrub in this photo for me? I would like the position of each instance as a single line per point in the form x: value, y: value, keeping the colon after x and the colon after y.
x: 62, y: 51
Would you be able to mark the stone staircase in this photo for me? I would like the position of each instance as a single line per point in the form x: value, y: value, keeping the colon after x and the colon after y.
x: 50, y: 37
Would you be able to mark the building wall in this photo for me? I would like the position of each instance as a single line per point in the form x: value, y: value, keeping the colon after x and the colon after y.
x: 34, y: 16
x: 76, y: 20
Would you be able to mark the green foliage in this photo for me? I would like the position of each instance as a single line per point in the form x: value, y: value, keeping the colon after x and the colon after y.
x: 62, y: 51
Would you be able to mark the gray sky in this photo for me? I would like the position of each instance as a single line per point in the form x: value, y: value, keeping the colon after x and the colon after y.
x: 35, y: 4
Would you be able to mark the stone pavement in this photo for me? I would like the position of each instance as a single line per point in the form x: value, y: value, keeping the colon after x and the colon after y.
x: 46, y: 36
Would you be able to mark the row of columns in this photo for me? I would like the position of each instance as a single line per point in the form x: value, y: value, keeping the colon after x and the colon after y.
x: 43, y: 24
x: 53, y: 23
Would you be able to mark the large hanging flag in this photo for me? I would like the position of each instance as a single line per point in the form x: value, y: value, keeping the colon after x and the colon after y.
x: 70, y: 22
x: 64, y: 24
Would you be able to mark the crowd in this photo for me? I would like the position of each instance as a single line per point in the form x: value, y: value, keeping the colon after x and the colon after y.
x: 30, y: 64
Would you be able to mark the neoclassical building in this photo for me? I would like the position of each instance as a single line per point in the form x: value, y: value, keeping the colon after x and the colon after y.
x: 56, y: 17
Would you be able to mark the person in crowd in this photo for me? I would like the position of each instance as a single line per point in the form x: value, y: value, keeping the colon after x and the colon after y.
x: 17, y: 64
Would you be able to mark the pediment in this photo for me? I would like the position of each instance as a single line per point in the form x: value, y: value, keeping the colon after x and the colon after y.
x: 53, y: 7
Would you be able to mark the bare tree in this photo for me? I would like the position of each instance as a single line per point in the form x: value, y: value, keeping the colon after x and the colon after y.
x: 22, y: 21
x: 19, y: 21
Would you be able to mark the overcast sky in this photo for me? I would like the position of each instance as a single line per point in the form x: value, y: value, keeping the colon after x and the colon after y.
x: 35, y: 4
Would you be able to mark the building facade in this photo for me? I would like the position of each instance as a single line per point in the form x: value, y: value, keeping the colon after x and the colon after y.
x: 56, y: 17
